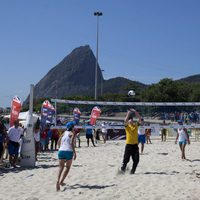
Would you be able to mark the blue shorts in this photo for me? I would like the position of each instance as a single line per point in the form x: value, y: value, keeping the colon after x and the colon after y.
x: 13, y: 149
x: 182, y: 142
x: 67, y: 155
x: 141, y: 139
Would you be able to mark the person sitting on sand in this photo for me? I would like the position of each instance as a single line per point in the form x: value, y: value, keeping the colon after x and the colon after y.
x: 66, y: 153
x: 183, y: 138
x: 131, y: 148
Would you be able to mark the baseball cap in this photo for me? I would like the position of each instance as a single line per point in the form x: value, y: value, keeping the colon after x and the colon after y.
x: 70, y: 125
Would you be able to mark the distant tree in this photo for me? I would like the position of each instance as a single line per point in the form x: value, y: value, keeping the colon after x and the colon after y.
x: 167, y: 90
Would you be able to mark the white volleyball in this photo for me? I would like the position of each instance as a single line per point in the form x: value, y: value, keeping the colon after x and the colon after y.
x: 131, y: 93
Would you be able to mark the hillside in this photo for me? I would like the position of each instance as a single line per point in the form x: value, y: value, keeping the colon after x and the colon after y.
x: 74, y: 75
x: 191, y: 79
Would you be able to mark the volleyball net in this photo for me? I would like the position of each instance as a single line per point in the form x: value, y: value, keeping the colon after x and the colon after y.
x: 150, y: 123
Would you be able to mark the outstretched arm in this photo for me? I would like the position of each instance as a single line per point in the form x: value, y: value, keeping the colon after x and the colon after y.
x: 127, y: 116
x: 129, y: 113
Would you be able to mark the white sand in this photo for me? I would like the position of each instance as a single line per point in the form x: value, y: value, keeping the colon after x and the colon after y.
x: 161, y: 175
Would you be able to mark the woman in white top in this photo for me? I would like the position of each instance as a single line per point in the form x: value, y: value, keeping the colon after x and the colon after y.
x: 183, y: 138
x: 66, y: 153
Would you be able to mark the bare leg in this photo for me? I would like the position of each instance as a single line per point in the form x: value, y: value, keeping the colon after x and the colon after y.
x: 61, y: 167
x: 79, y: 142
x: 93, y: 141
x: 3, y: 150
x: 15, y: 160
x: 88, y: 142
x: 104, y: 138
x: 11, y: 160
x: 66, y: 171
x: 142, y: 147
x: 183, y: 151
x: 182, y: 148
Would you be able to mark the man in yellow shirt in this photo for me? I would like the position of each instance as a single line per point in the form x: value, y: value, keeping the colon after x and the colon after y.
x: 131, y: 148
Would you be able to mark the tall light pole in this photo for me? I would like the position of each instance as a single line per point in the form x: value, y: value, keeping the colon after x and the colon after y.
x: 102, y: 70
x: 97, y: 14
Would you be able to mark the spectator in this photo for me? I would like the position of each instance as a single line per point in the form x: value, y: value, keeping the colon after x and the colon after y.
x: 43, y: 139
x: 54, y: 139
x: 37, y: 141
x: 89, y: 135
x: 14, y: 135
x: 104, y: 132
x: 163, y: 133
x: 148, y: 135
x: 2, y: 140
x: 141, y: 135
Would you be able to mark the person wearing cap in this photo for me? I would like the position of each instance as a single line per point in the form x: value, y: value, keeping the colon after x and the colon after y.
x: 183, y: 138
x: 131, y: 148
x: 66, y: 153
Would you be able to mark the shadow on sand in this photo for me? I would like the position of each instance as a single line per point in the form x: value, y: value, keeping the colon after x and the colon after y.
x: 90, y: 187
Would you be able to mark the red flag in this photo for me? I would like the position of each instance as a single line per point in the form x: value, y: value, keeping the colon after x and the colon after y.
x: 15, y: 109
x: 94, y: 115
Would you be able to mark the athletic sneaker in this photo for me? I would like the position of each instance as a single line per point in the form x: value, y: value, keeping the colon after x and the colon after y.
x: 122, y: 170
x: 132, y: 171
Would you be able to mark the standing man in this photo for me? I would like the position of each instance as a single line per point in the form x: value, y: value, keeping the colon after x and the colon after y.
x: 89, y: 134
x: 104, y: 132
x: 163, y: 133
x: 142, y: 135
x: 14, y: 135
x: 131, y: 148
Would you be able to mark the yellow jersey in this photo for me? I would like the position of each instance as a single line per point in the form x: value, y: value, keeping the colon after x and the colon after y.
x: 131, y: 133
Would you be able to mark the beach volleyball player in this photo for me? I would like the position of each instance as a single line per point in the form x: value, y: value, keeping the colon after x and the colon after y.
x: 66, y: 153
x: 131, y: 148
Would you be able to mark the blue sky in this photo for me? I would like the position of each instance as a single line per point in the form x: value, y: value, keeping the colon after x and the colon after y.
x: 143, y: 40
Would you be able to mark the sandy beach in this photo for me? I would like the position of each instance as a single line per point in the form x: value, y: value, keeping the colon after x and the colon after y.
x: 161, y: 175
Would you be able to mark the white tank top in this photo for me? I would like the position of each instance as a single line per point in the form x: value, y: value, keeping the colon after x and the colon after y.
x: 182, y: 135
x: 65, y: 144
x: 141, y: 130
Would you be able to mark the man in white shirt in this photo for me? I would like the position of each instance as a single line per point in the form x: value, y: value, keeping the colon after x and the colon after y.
x: 104, y: 132
x: 14, y: 134
x: 141, y: 135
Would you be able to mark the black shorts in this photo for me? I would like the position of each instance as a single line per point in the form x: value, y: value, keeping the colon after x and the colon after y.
x: 89, y: 136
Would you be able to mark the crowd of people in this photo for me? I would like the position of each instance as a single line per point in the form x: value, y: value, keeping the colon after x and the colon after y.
x: 64, y: 141
x: 45, y: 140
x: 186, y: 117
